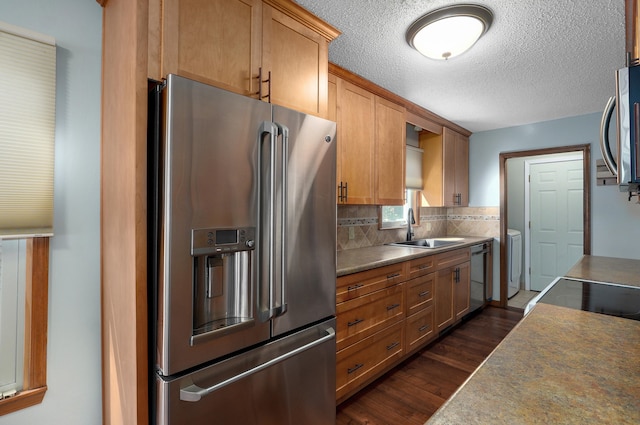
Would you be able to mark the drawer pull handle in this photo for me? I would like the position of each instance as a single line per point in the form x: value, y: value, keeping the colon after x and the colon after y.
x: 392, y: 345
x: 355, y: 322
x: 424, y: 328
x: 356, y: 367
x: 424, y: 266
x: 354, y: 287
x: 391, y: 276
x: 424, y: 293
x: 392, y: 306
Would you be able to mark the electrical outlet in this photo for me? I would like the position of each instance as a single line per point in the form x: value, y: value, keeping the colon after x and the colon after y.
x: 352, y: 233
x: 428, y: 226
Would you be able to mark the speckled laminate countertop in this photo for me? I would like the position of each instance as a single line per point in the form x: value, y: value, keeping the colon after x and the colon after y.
x: 557, y: 366
x: 361, y: 259
x: 607, y: 269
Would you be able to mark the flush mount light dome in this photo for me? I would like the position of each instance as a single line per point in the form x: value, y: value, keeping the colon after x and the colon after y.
x: 449, y: 31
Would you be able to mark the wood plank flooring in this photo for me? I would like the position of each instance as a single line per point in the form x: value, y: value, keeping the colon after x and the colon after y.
x: 415, y: 389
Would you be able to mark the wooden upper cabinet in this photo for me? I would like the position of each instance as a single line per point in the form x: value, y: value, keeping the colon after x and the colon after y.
x: 461, y: 170
x: 632, y: 23
x: 298, y: 59
x: 390, y: 155
x: 356, y: 109
x: 445, y: 168
x: 269, y: 49
x: 371, y: 146
x: 213, y: 41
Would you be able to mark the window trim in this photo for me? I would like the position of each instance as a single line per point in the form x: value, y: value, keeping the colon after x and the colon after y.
x: 35, y: 328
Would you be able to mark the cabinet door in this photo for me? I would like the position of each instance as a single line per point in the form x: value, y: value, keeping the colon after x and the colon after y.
x: 445, y: 167
x: 449, y: 168
x: 462, y: 296
x: 456, y: 169
x: 390, y: 146
x: 462, y: 169
x: 356, y: 115
x: 361, y: 362
x: 213, y: 41
x: 298, y: 60
x: 444, y: 313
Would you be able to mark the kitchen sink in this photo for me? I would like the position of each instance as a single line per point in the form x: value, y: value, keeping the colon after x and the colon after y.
x: 429, y: 243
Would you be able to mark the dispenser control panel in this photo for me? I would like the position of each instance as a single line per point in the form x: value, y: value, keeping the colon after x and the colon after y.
x: 212, y: 241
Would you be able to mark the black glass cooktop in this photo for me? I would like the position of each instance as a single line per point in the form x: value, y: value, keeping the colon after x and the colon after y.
x: 598, y: 297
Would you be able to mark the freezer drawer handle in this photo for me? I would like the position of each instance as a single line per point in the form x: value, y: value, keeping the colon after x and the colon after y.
x: 194, y: 393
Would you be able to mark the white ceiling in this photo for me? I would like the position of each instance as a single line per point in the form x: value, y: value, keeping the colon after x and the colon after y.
x: 540, y: 60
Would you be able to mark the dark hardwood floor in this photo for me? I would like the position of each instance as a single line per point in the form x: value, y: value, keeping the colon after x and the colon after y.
x: 412, y: 392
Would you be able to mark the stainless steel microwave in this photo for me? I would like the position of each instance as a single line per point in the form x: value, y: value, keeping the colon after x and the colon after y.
x: 624, y: 160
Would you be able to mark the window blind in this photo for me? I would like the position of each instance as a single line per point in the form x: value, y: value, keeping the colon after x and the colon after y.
x: 414, y: 168
x: 27, y: 132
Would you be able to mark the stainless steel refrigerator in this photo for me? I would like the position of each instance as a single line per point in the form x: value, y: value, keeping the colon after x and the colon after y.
x: 243, y: 231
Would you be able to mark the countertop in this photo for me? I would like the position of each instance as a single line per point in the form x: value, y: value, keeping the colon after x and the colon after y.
x: 361, y: 259
x: 607, y: 269
x: 557, y: 366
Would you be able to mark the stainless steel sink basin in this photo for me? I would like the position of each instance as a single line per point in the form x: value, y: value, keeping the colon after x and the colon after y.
x: 429, y: 243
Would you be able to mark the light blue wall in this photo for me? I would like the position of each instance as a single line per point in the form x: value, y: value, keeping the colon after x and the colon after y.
x: 73, y: 348
x: 614, y: 219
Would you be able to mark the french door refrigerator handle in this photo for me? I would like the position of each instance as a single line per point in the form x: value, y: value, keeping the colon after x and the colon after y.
x: 605, y: 146
x: 194, y: 393
x: 272, y: 130
x: 284, y: 132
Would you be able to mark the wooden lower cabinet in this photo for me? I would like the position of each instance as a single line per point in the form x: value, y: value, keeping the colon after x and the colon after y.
x: 461, y: 293
x: 363, y: 283
x: 362, y: 362
x: 419, y: 329
x: 388, y: 313
x: 444, y: 314
x: 364, y: 316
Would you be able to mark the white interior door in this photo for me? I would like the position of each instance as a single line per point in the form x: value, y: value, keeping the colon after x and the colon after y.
x: 556, y: 219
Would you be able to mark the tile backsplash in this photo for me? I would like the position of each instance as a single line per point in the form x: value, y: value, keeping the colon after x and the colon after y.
x: 434, y: 222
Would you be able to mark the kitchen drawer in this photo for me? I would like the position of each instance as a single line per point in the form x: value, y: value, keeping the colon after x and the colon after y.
x: 361, y: 362
x: 422, y: 266
x: 419, y: 293
x: 451, y: 258
x: 361, y: 317
x: 419, y: 328
x: 354, y: 285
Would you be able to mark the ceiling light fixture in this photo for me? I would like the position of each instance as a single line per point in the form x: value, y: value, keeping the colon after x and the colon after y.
x: 449, y: 31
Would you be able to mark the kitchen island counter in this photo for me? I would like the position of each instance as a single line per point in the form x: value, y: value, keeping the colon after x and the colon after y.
x: 607, y: 269
x: 558, y: 365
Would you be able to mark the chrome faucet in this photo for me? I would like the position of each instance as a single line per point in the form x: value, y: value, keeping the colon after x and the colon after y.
x: 410, y: 220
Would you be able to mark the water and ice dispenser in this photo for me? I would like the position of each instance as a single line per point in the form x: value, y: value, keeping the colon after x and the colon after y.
x: 222, y: 296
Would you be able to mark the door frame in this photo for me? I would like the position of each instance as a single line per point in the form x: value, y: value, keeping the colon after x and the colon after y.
x: 575, y: 156
x: 586, y: 206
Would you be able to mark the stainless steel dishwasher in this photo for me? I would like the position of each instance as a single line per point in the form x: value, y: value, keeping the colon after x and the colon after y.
x: 480, y: 255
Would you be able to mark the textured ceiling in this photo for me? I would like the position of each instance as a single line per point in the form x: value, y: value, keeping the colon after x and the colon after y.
x: 540, y: 60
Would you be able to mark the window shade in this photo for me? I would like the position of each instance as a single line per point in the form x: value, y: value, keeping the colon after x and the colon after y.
x: 414, y: 168
x: 27, y: 131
